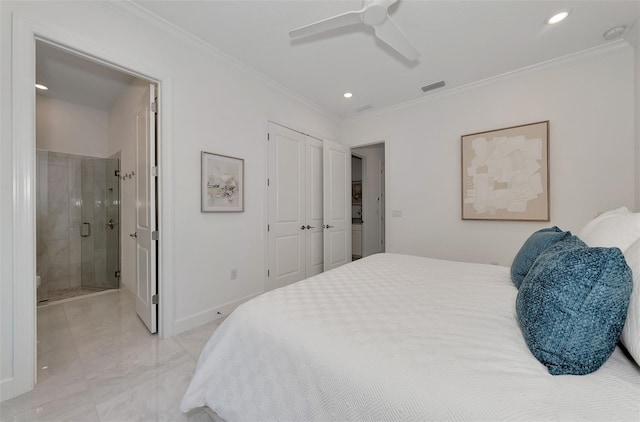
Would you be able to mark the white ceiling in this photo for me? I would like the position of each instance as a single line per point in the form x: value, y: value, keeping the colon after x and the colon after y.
x: 460, y: 42
x: 77, y: 80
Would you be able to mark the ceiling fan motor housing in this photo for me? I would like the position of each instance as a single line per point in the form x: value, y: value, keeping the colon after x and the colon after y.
x: 374, y: 14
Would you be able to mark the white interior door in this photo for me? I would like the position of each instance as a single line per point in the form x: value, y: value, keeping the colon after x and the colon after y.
x: 146, y: 248
x: 286, y: 208
x: 314, y: 208
x: 337, y: 204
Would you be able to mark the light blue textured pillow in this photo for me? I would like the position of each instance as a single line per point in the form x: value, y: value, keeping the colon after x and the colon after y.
x: 531, y: 249
x: 573, y: 304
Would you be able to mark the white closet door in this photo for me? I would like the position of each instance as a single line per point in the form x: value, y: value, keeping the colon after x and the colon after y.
x: 286, y: 237
x: 337, y: 204
x: 314, y: 210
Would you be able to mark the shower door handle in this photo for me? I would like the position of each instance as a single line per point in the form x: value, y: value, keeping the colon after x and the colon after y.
x: 86, y: 233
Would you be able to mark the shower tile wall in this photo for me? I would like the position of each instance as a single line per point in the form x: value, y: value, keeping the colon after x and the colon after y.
x: 65, y: 259
x: 58, y: 204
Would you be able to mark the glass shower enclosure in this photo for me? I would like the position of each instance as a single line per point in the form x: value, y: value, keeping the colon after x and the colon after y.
x: 77, y: 224
x: 100, y: 226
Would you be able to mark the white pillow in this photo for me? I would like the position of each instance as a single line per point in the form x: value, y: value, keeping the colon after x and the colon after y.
x: 616, y: 228
x: 631, y: 331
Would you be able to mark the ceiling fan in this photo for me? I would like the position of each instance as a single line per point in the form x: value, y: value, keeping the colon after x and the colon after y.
x: 374, y: 14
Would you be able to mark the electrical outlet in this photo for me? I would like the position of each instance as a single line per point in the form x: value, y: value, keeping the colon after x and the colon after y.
x: 234, y: 273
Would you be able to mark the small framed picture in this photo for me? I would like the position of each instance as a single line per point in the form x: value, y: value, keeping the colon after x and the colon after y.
x: 222, y: 183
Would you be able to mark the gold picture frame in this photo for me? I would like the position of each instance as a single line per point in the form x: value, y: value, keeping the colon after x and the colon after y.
x: 505, y: 173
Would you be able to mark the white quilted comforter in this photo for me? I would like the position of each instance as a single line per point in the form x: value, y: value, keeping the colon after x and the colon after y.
x: 395, y: 337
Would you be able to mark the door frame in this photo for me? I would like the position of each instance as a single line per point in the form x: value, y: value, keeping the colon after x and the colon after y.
x: 25, y: 32
x: 386, y: 141
x: 364, y: 183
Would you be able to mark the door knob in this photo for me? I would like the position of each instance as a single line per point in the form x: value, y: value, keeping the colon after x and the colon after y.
x: 310, y: 227
x: 302, y: 227
x: 134, y: 234
x: 327, y: 226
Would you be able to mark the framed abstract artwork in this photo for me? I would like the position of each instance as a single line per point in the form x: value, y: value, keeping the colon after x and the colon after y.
x: 505, y: 174
x: 222, y: 183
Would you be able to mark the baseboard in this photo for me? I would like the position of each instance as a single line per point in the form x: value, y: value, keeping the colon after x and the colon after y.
x: 6, y: 389
x: 201, y: 318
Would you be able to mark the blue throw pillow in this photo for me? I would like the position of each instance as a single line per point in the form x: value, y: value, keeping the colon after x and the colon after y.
x: 531, y: 249
x: 573, y: 304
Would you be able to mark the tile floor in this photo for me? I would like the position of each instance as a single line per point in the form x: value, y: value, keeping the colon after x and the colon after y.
x: 98, y: 362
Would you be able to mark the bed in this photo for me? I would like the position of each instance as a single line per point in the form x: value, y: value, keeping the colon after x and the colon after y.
x: 396, y: 337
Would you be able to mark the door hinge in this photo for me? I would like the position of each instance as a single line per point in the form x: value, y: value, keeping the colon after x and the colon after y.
x: 117, y: 275
x: 268, y: 181
x: 154, y: 299
x: 154, y: 171
x: 154, y: 107
x: 155, y: 235
x: 268, y: 227
x: 268, y: 273
x: 268, y: 136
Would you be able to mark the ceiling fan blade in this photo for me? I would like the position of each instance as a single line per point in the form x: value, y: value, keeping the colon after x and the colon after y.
x: 389, y: 33
x: 338, y: 21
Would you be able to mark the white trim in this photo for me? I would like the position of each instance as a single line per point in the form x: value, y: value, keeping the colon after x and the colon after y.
x: 209, y: 315
x: 25, y: 31
x: 591, y: 52
x: 24, y: 183
x: 138, y: 10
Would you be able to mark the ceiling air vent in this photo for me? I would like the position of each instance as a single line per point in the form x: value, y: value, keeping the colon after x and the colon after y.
x: 433, y: 86
x: 363, y: 107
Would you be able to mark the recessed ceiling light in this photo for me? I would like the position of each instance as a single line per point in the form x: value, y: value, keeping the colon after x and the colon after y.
x: 558, y: 17
x: 614, y: 33
x: 42, y: 87
x: 348, y: 95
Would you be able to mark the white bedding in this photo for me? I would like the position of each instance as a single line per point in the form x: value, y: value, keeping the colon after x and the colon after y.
x: 396, y: 337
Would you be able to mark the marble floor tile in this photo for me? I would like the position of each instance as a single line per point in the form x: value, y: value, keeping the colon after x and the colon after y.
x: 194, y: 340
x: 77, y: 407
x: 140, y: 366
x: 157, y: 399
x: 98, y: 362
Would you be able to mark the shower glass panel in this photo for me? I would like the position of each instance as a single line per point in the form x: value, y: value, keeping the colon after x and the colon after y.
x: 77, y: 224
x: 100, y: 223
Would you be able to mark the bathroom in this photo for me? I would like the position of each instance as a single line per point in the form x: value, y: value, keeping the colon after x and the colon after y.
x: 85, y: 178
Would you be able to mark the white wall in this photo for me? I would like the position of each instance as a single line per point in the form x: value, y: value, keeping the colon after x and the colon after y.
x: 122, y: 138
x: 70, y: 128
x: 217, y: 106
x: 633, y: 37
x: 590, y: 104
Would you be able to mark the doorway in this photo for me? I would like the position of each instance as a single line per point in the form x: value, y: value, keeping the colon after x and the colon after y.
x: 25, y: 33
x: 368, y: 200
x: 99, y: 122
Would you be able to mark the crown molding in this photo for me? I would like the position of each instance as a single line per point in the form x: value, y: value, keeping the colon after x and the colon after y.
x: 573, y: 57
x: 132, y: 8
